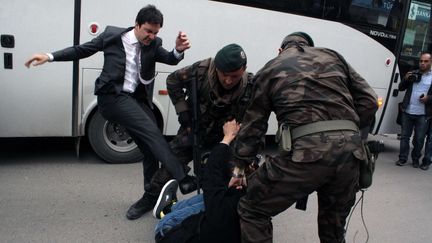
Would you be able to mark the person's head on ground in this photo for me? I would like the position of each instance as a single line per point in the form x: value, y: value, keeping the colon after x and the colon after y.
x: 148, y: 22
x: 298, y: 38
x: 230, y: 62
x: 425, y: 62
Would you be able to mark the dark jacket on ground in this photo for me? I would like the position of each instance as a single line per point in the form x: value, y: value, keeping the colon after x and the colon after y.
x: 219, y: 222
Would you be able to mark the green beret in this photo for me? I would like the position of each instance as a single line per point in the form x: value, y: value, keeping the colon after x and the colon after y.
x: 303, y: 35
x: 230, y: 58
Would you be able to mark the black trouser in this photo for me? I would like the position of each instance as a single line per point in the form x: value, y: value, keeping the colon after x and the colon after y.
x: 138, y: 119
x: 182, y: 146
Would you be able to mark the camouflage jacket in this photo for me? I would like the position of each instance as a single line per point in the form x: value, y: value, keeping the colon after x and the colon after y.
x: 216, y: 104
x: 303, y: 87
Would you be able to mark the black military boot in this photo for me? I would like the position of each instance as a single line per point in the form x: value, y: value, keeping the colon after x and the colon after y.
x: 142, y: 206
x: 188, y: 184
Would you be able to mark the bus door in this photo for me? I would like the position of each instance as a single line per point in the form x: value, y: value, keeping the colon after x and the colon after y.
x: 417, y: 37
x: 36, y: 101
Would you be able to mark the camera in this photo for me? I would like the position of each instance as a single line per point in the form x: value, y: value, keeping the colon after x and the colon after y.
x: 375, y: 147
x: 414, y: 76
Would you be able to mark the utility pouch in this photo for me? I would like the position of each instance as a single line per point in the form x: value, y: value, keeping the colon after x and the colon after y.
x: 367, y: 166
x: 283, y: 138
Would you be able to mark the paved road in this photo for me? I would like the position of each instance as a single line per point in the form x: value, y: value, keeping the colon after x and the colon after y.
x: 48, y: 195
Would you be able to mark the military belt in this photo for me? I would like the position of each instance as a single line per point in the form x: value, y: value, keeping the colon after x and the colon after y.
x: 323, y: 126
x: 285, y: 135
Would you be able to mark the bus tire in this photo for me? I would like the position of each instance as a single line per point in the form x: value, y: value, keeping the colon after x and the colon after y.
x: 111, y: 142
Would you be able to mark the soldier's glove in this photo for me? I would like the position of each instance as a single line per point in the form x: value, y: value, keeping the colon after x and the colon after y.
x: 185, y: 119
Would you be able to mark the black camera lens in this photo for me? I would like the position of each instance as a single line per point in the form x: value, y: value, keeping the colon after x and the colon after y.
x: 414, y: 77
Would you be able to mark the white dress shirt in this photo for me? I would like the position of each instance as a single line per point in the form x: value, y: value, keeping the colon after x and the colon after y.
x: 133, y: 57
x: 132, y: 50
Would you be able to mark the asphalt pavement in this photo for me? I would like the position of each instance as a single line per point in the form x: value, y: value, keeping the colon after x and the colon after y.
x: 47, y: 194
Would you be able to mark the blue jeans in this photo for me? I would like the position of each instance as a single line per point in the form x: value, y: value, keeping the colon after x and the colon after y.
x: 180, y: 211
x: 410, y: 123
x: 428, y: 149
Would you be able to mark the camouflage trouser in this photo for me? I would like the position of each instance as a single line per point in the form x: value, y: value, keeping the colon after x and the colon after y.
x: 280, y: 182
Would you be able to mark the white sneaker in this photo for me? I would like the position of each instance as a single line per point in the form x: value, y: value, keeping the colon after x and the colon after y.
x: 167, y: 196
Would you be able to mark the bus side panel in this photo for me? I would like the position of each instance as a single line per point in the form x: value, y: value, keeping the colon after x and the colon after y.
x: 212, y: 25
x: 36, y: 101
x: 209, y: 27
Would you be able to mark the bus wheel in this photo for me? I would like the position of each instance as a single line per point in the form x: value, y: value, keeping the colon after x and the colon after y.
x: 112, y: 142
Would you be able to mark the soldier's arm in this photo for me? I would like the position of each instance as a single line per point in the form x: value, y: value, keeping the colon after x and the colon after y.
x: 179, y: 84
x: 365, y: 98
x: 251, y: 137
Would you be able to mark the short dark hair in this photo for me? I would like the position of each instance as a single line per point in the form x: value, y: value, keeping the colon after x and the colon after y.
x: 149, y: 14
x: 288, y: 39
x: 426, y: 53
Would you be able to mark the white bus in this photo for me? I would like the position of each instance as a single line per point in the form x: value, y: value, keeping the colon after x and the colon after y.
x: 56, y: 100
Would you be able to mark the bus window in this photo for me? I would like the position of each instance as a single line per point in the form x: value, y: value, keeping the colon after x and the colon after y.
x: 312, y: 8
x: 417, y: 35
x: 385, y: 14
x: 394, y: 19
x: 379, y: 19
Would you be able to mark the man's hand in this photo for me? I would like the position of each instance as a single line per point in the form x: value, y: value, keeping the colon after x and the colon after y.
x: 424, y: 99
x: 39, y: 59
x: 182, y: 42
x: 230, y: 130
x: 238, y: 183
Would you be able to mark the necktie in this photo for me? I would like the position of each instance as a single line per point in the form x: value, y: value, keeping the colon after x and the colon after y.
x: 138, y: 64
x: 138, y: 59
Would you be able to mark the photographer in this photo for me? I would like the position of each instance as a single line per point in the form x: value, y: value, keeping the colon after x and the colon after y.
x: 416, y: 110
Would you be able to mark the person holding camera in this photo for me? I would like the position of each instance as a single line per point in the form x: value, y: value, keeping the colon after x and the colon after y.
x: 416, y: 110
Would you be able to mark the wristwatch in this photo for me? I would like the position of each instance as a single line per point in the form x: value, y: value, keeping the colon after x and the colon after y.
x: 237, y: 173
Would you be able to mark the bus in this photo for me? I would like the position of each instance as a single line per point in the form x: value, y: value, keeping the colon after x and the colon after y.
x: 381, y: 39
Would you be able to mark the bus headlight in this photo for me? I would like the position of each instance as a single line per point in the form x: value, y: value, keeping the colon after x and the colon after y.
x: 380, y: 102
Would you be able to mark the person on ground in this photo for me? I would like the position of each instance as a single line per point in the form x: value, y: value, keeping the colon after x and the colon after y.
x: 211, y: 216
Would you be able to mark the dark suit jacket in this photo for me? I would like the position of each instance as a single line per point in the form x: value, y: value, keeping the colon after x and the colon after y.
x: 111, y: 78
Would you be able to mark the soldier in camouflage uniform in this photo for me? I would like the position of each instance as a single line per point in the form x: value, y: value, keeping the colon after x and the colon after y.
x: 304, y: 85
x: 221, y: 84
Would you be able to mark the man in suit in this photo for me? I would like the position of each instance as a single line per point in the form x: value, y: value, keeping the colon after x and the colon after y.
x: 125, y: 91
